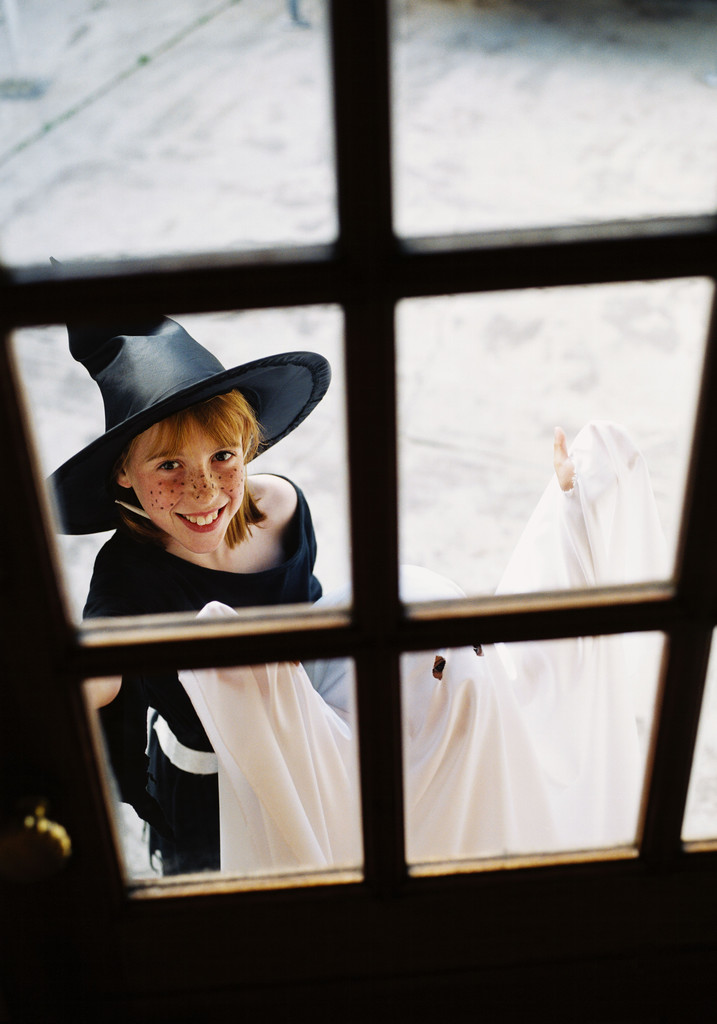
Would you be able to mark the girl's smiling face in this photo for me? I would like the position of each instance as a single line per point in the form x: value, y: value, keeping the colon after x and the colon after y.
x: 190, y: 494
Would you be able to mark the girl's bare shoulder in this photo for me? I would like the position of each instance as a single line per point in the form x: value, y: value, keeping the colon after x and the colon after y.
x: 276, y: 498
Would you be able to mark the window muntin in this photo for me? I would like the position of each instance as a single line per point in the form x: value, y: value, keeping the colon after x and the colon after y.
x: 207, y: 128
x: 483, y: 380
x: 511, y: 115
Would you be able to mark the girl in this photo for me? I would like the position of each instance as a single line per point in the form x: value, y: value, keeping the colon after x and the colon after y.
x: 170, y: 473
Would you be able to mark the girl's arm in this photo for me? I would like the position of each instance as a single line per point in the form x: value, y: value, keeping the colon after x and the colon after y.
x: 102, y: 691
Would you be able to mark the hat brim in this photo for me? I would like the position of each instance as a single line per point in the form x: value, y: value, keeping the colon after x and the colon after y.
x: 282, y: 390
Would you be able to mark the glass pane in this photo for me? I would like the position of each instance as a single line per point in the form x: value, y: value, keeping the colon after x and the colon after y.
x: 187, y: 540
x: 701, y: 810
x: 265, y: 782
x: 525, y: 748
x: 483, y: 381
x: 163, y: 128
x: 184, y: 481
x: 518, y: 114
x: 66, y: 411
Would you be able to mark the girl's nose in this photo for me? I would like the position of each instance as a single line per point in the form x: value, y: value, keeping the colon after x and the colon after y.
x: 203, y: 480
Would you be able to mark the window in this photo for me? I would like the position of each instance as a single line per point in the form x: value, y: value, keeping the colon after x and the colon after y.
x: 366, y: 272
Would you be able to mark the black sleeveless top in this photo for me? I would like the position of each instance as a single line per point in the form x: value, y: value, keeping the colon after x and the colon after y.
x: 135, y: 578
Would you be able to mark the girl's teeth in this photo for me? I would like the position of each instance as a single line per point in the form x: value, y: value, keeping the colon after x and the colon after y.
x: 202, y: 520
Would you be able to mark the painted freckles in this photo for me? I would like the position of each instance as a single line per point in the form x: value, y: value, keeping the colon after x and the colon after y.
x: 190, y: 495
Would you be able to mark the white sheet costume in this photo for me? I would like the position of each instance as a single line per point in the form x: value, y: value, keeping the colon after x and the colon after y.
x: 531, y: 747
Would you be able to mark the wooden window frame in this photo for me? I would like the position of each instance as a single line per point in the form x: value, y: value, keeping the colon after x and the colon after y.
x: 367, y: 271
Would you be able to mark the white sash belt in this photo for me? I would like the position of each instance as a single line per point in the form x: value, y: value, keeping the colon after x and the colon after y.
x: 198, y: 762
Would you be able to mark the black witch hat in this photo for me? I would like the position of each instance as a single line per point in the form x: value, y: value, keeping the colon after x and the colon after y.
x: 149, y: 372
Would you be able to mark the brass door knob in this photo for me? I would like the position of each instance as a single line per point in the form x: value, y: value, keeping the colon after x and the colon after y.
x: 32, y: 847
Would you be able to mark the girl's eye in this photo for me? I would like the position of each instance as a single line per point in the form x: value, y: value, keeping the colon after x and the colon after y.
x: 224, y: 456
x: 169, y: 464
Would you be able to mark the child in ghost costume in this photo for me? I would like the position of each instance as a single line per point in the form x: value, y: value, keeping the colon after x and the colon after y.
x: 508, y: 749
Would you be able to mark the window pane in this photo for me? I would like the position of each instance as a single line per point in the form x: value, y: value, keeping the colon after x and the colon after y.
x: 483, y: 381
x: 66, y: 411
x: 170, y: 128
x: 266, y: 784
x: 701, y: 811
x: 525, y: 748
x: 129, y: 573
x: 519, y: 115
